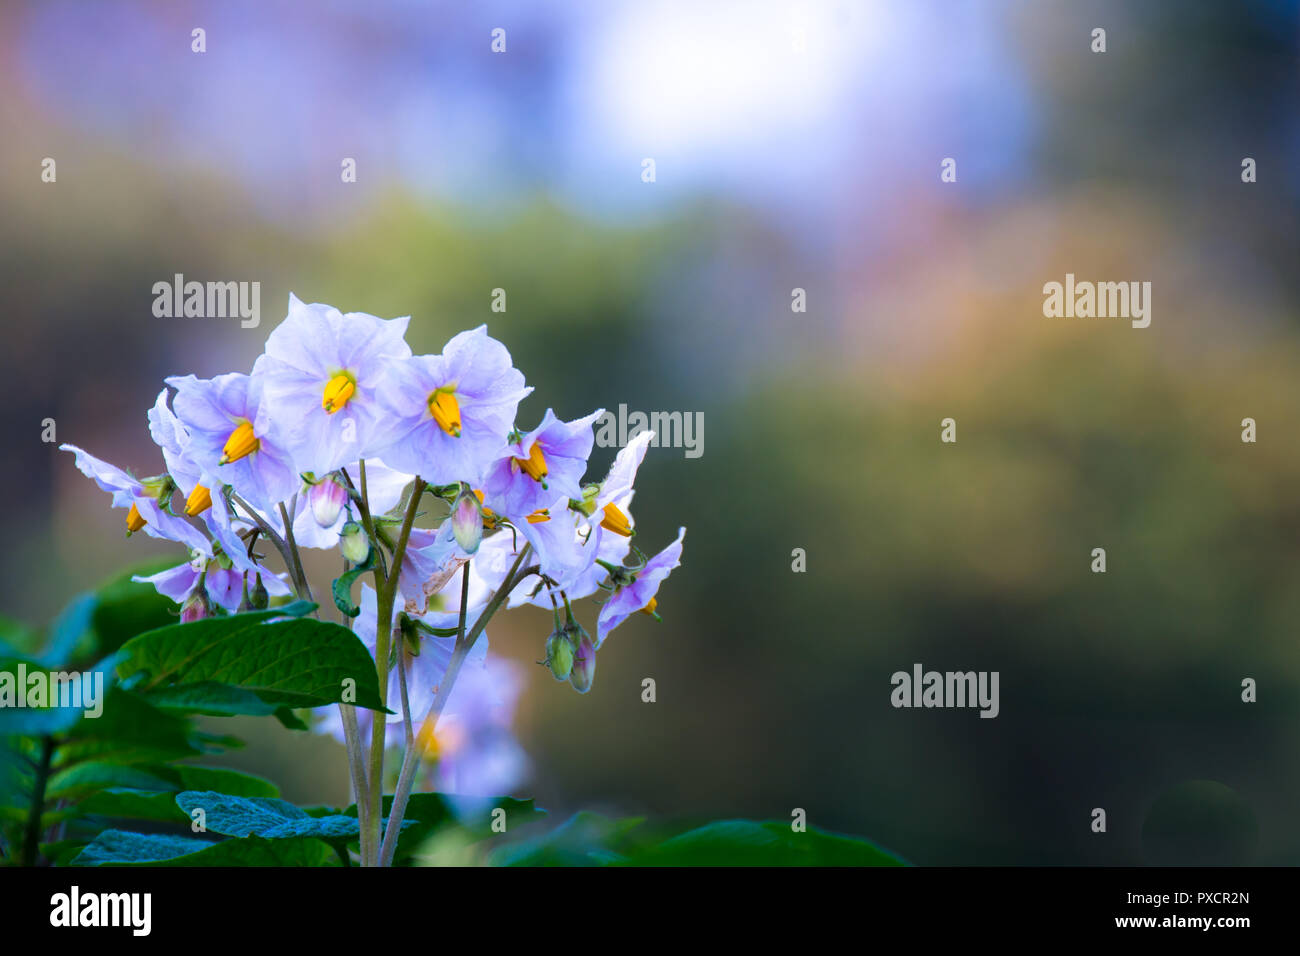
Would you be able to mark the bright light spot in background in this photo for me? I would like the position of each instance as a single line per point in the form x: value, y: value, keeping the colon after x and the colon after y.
x: 721, y: 76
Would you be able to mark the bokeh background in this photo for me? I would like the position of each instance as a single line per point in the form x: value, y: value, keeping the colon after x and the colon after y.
x: 797, y: 145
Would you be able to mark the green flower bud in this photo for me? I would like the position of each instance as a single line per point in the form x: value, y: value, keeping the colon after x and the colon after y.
x: 410, y: 633
x: 559, y: 654
x: 587, y: 505
x: 354, y: 544
x: 159, y: 487
x: 258, y: 598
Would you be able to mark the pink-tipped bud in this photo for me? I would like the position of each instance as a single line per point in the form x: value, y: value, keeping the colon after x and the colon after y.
x: 196, y: 606
x: 327, y: 499
x: 467, y: 521
x: 584, y: 666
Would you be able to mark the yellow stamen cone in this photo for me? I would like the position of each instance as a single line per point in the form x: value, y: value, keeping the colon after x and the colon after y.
x: 616, y: 521
x: 534, y: 466
x: 338, y: 391
x: 490, y: 519
x: 199, y: 501
x: 241, y: 443
x: 446, y: 412
x: 134, y: 520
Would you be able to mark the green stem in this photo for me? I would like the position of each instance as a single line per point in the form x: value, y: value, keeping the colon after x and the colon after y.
x: 267, y: 530
x: 367, y: 519
x: 32, y: 839
x: 386, y: 590
x: 303, y: 588
x: 464, y: 644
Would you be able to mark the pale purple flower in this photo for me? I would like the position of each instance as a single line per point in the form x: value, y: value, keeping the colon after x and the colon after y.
x: 325, y: 375
x: 544, y: 466
x: 172, y: 438
x: 568, y: 545
x: 231, y: 437
x: 611, y: 548
x: 456, y: 409
x: 477, y: 753
x: 128, y: 492
x: 573, y: 562
x: 493, y: 561
x: 226, y: 525
x: 429, y: 560
x: 639, y: 595
x: 224, y: 586
x: 560, y: 547
x: 611, y: 507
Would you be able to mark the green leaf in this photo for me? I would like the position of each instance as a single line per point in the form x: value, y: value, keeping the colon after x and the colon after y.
x: 771, y: 843
x: 590, y: 839
x: 290, y: 720
x: 122, y: 848
x: 266, y: 818
x: 89, y: 776
x: 298, y: 662
x: 17, y: 639
x: 96, y: 623
x: 233, y: 782
x: 130, y: 730
x: 472, y: 817
x: 15, y: 684
x: 211, y: 699
x: 124, y: 803
x: 84, y: 778
x: 585, y: 839
x: 62, y: 852
x: 71, y: 632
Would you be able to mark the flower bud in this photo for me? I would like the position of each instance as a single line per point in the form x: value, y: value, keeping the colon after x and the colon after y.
x: 159, y: 487
x: 467, y: 521
x: 258, y: 597
x: 559, y: 654
x: 587, y: 506
x: 196, y: 606
x: 354, y: 544
x: 410, y: 632
x: 584, y: 665
x: 327, y: 499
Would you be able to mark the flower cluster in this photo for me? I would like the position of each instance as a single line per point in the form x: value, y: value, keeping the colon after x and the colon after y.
x: 338, y: 439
